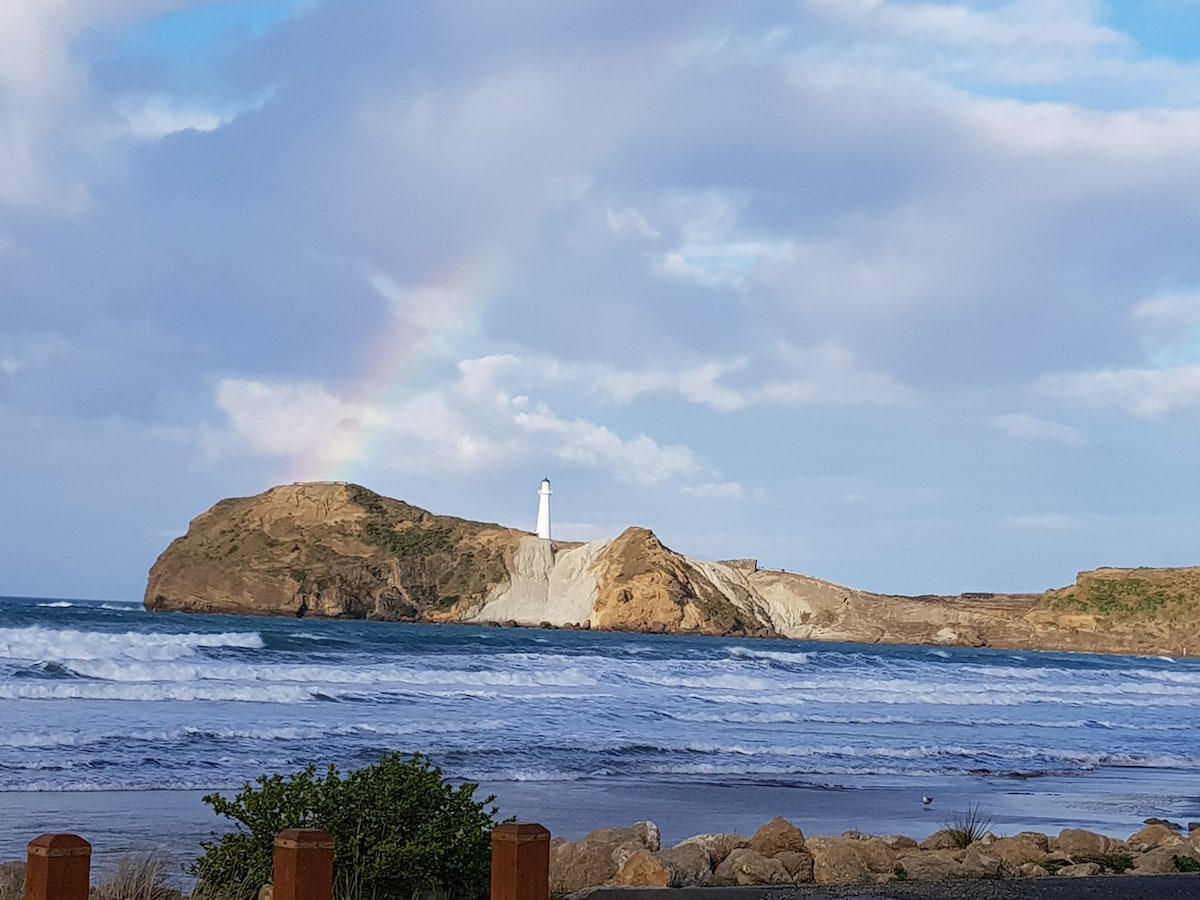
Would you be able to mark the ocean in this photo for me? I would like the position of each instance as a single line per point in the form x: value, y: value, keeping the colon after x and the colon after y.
x: 114, y: 722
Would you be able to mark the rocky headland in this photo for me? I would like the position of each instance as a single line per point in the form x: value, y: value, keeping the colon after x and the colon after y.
x: 338, y: 550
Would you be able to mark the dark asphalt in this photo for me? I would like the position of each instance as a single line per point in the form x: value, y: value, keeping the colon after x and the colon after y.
x: 1107, y: 887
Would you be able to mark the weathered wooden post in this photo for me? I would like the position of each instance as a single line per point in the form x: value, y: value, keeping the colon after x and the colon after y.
x: 58, y: 868
x: 303, y: 865
x: 520, y: 862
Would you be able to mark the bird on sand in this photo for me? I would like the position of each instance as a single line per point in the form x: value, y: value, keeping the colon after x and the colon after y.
x: 926, y: 800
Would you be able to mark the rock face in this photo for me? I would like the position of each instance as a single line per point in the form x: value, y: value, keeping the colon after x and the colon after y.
x: 341, y: 551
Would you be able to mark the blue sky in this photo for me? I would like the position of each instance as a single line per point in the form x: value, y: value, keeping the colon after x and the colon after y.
x: 901, y: 295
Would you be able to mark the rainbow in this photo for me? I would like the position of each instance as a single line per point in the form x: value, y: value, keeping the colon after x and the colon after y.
x: 424, y: 324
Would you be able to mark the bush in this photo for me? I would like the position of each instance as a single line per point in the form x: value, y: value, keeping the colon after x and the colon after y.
x: 397, y: 827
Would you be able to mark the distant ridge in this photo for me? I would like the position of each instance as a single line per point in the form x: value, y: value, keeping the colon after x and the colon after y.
x: 339, y: 550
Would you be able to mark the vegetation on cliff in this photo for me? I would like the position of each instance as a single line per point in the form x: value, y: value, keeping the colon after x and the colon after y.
x: 334, y: 550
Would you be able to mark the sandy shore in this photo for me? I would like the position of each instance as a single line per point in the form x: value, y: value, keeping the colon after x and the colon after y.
x: 1112, y: 803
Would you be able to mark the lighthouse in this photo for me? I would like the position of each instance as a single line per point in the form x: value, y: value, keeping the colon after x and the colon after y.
x: 543, y: 523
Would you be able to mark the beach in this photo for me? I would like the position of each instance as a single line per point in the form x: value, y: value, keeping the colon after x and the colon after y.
x: 174, y: 822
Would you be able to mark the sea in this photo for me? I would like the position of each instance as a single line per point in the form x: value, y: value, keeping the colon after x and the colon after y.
x: 116, y: 722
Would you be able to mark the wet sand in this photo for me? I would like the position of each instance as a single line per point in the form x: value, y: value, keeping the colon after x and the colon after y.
x: 1114, y: 802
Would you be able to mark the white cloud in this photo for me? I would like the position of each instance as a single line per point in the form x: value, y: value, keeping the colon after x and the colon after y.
x: 1169, y: 312
x: 1055, y: 522
x: 713, y: 248
x: 293, y: 419
x: 1045, y: 24
x: 1170, y: 328
x: 1023, y: 427
x: 472, y: 424
x: 828, y: 373
x: 717, y: 490
x: 640, y: 459
x: 43, y: 92
x: 159, y: 115
x: 1140, y: 392
x: 630, y: 221
x: 10, y: 365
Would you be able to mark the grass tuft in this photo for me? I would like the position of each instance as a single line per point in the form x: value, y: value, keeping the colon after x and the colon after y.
x: 139, y: 876
x: 967, y: 827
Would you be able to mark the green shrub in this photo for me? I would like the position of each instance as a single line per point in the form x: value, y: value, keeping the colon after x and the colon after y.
x: 967, y: 827
x: 1186, y: 863
x: 397, y: 826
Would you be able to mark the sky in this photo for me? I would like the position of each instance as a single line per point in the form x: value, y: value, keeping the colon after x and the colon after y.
x: 901, y: 295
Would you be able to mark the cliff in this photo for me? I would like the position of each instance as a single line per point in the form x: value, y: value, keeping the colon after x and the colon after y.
x: 341, y: 551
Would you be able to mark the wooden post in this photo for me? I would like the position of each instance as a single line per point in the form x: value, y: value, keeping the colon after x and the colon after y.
x: 520, y: 862
x: 57, y: 868
x: 303, y: 865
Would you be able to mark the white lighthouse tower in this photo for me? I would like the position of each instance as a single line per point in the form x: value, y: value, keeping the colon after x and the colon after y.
x: 543, y: 523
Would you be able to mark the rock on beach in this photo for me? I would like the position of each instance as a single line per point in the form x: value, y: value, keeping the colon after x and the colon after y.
x: 779, y: 855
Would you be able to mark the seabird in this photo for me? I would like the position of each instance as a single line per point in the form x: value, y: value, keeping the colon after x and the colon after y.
x: 926, y: 800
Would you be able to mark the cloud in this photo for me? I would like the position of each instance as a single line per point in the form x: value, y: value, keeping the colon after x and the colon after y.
x: 1170, y: 328
x: 1140, y: 392
x: 630, y: 221
x: 472, y: 424
x: 717, y: 490
x: 1021, y: 427
x: 158, y: 115
x: 785, y: 375
x: 639, y: 459
x: 1056, y: 522
x: 294, y: 419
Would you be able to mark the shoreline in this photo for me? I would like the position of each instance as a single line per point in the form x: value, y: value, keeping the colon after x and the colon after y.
x: 1111, y: 801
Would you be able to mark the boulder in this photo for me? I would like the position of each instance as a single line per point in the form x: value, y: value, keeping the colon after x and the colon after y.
x: 641, y: 868
x: 1076, y: 842
x: 899, y: 841
x: 718, y: 846
x: 12, y: 879
x: 575, y: 865
x: 622, y: 851
x: 798, y: 863
x: 932, y: 867
x: 939, y: 840
x: 1032, y: 870
x: 745, y: 867
x: 983, y: 863
x: 688, y: 865
x: 644, y: 834
x: 1080, y: 870
x: 1159, y: 861
x: 1015, y: 852
x: 876, y: 853
x: 776, y: 836
x: 1152, y: 836
x: 1037, y: 838
x: 837, y: 861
